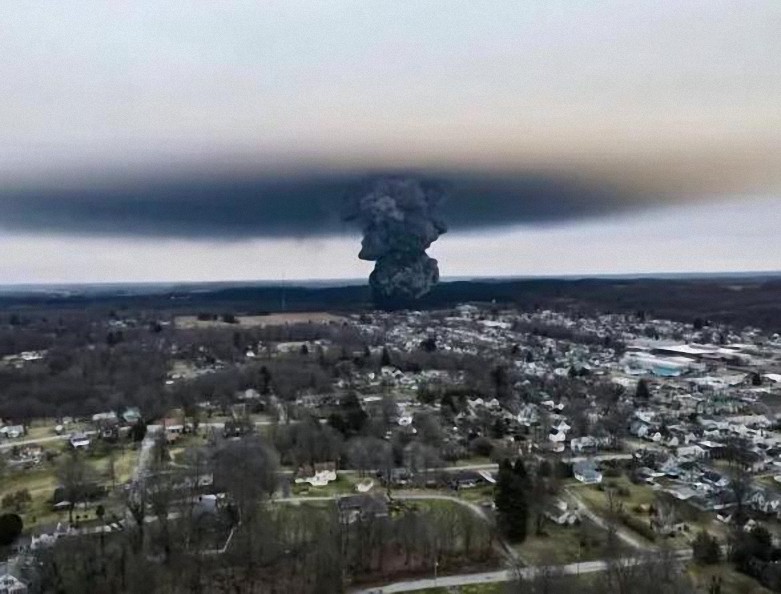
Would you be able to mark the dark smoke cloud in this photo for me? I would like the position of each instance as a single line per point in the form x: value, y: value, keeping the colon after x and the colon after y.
x: 400, y: 221
x: 241, y: 207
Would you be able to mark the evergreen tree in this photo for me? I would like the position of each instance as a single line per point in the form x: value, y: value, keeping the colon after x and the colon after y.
x: 385, y: 359
x: 512, y: 507
x: 503, y: 489
x: 705, y: 549
x: 642, y: 390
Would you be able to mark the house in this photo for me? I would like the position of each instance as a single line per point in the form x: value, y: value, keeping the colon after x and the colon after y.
x: 232, y: 428
x: 586, y: 472
x: 557, y: 439
x: 131, y: 416
x: 104, y: 416
x: 528, y: 415
x: 89, y: 492
x: 353, y: 508
x: 561, y: 514
x: 587, y: 444
x: 639, y: 429
x: 207, y: 505
x: 11, y: 580
x: 397, y: 477
x: 318, y: 475
x: 764, y: 502
x: 108, y: 430
x: 715, y: 479
x: 13, y: 431
x: 79, y: 441
x: 174, y: 428
x: 249, y: 394
x: 466, y: 479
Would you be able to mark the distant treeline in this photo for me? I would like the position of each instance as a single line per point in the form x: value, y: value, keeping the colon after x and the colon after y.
x: 740, y: 302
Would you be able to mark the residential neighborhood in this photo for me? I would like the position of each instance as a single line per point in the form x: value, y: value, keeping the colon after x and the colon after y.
x: 652, y: 430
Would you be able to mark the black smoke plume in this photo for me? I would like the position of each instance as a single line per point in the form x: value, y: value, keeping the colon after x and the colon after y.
x: 400, y: 222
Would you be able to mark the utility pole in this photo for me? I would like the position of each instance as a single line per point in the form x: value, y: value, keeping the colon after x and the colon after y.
x: 580, y: 553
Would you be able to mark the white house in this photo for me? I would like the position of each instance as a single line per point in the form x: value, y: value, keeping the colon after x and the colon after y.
x: 318, y: 475
x: 586, y: 472
x: 560, y: 513
x: 11, y: 580
x: 79, y: 441
x: 13, y: 431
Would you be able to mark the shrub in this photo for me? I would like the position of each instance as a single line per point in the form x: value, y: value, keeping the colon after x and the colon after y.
x: 16, y: 500
x: 639, y: 526
x: 481, y: 446
x: 11, y: 526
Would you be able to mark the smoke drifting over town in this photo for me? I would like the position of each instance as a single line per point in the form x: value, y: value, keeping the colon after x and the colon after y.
x: 308, y: 204
x: 400, y: 222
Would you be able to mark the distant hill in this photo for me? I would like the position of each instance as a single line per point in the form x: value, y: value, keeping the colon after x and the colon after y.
x: 740, y: 300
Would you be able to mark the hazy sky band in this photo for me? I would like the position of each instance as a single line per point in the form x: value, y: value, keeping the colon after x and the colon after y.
x: 652, y: 96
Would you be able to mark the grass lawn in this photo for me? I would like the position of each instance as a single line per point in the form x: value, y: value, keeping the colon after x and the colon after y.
x: 40, y: 482
x: 644, y: 495
x: 633, y: 498
x: 560, y: 545
x: 177, y: 449
x: 125, y: 460
x: 478, y: 494
x: 40, y: 428
x: 39, y: 431
x: 768, y: 482
x: 638, y: 494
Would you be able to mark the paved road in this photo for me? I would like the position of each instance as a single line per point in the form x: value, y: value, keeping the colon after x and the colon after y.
x: 473, y: 507
x: 487, y: 467
x: 505, y: 575
x: 598, y: 458
x: 141, y: 470
x: 403, y: 496
x: 7, y: 445
x: 12, y: 443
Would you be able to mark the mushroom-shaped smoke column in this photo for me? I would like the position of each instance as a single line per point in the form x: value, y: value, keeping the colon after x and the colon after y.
x: 399, y: 221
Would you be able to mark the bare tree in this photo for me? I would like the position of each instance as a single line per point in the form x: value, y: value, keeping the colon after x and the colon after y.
x: 76, y: 478
x: 248, y: 471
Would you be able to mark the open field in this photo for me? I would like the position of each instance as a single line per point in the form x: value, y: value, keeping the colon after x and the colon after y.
x: 635, y: 501
x: 480, y: 494
x: 560, y: 545
x: 636, y: 494
x: 125, y: 460
x: 274, y: 319
x: 41, y: 481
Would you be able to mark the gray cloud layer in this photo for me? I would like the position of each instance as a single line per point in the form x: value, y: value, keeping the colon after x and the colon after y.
x: 299, y: 206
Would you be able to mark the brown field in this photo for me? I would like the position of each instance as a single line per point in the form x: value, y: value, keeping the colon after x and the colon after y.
x: 274, y: 319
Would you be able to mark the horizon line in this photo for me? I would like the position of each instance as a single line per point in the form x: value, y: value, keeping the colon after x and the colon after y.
x: 352, y: 281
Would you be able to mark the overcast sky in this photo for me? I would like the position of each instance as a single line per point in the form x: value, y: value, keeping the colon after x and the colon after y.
x: 211, y: 141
